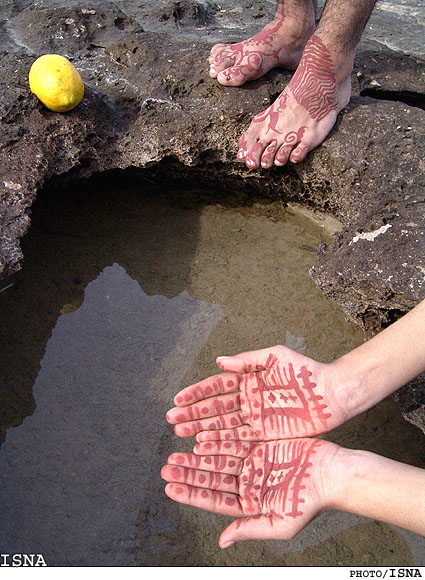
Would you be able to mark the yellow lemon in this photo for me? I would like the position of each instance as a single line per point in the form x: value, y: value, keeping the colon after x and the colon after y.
x: 56, y: 82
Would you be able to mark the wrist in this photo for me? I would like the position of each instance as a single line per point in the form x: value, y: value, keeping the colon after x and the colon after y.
x: 352, y: 384
x: 348, y: 470
x: 379, y: 488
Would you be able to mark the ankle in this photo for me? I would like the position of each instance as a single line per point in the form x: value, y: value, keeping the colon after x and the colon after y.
x: 333, y: 55
x: 293, y: 33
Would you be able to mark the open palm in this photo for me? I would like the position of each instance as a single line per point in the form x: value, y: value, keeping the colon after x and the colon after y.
x: 274, y: 489
x: 264, y: 395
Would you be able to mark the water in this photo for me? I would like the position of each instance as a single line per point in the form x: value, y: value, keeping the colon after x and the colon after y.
x: 126, y: 296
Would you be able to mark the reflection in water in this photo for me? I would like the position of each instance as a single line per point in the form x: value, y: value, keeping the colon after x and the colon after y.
x: 73, y: 475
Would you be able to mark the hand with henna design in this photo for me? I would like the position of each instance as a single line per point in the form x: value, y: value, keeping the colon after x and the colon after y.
x: 264, y: 395
x: 275, y: 489
x: 276, y: 393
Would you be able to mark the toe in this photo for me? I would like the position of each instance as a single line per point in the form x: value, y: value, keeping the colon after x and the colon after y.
x: 221, y: 60
x: 216, y: 49
x: 282, y: 155
x: 231, y: 76
x: 253, y: 156
x: 223, y: 68
x: 299, y: 153
x: 268, y: 155
x: 292, y: 142
x: 243, y: 149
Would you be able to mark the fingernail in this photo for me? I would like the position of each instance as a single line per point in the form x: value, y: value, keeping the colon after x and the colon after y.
x: 227, y: 545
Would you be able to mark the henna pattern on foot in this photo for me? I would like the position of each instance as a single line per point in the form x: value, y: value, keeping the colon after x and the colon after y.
x: 301, y: 117
x: 280, y: 43
x: 313, y: 84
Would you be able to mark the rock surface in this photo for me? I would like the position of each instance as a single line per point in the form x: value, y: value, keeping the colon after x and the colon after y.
x: 150, y: 104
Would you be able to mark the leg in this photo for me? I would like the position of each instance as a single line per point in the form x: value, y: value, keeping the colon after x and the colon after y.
x: 303, y: 115
x: 280, y: 43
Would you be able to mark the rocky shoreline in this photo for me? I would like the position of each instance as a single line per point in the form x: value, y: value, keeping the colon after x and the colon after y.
x: 151, y: 107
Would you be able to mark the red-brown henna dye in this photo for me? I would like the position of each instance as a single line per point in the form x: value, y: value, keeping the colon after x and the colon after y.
x: 272, y: 113
x: 248, y: 56
x: 313, y: 84
x: 272, y: 477
x: 291, y: 139
x: 281, y: 403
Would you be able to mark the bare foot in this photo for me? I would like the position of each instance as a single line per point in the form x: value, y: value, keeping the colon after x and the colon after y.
x: 280, y: 43
x: 305, y: 112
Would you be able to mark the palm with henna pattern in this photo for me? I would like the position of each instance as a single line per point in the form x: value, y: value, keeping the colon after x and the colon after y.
x: 264, y: 395
x: 274, y: 488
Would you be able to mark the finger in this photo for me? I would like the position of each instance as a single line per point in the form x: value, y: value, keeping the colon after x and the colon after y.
x: 233, y: 448
x: 243, y: 433
x: 222, y: 463
x: 259, y: 527
x: 218, y: 502
x: 207, y: 408
x: 246, y: 362
x: 227, y: 421
x: 215, y: 385
x: 199, y: 478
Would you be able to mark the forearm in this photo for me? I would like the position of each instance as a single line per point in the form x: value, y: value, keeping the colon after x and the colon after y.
x: 381, y: 489
x: 388, y: 361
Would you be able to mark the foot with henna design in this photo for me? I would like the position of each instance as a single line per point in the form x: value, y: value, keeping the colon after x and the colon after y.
x: 305, y: 112
x: 280, y: 43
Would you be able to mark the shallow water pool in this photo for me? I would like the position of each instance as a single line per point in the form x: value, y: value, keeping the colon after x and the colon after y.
x: 128, y: 294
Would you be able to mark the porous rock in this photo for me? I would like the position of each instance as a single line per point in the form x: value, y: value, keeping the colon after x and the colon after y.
x: 150, y: 104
